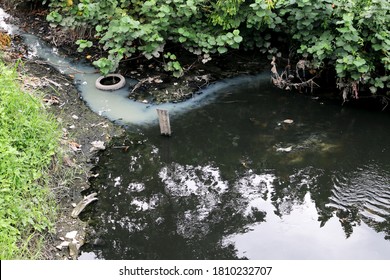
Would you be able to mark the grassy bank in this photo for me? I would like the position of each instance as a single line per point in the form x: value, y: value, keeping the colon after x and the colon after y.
x: 28, y: 140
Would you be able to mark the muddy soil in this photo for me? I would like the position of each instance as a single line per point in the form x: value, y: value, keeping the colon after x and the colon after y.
x: 81, y: 130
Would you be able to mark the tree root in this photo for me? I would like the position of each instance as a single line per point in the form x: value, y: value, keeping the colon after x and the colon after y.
x: 285, y: 79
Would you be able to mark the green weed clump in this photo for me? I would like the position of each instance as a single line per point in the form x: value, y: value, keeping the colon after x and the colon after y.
x: 28, y: 141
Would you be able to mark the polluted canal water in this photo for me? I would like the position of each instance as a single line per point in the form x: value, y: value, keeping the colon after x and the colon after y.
x: 250, y: 172
x: 256, y: 173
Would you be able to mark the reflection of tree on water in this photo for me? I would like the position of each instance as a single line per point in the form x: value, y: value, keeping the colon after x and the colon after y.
x: 187, y: 212
x: 348, y: 218
x: 352, y: 198
x: 186, y: 217
x: 384, y: 227
x: 362, y: 195
x: 161, y: 238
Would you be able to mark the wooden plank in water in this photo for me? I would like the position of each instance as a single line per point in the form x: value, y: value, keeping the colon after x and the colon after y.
x: 165, y: 126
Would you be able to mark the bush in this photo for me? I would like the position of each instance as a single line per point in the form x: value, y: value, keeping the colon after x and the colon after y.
x: 352, y: 37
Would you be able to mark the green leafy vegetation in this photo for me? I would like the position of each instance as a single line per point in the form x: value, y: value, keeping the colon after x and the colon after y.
x: 349, y: 37
x: 28, y: 141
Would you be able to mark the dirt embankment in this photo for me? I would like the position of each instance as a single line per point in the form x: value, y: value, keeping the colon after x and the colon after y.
x: 83, y: 134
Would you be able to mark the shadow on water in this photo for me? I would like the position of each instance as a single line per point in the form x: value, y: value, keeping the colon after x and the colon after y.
x: 256, y: 173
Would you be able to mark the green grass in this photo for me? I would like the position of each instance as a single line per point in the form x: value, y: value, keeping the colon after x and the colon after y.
x: 28, y: 141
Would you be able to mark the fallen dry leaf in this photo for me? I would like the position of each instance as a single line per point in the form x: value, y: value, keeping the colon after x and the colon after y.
x: 74, y: 146
x: 32, y: 83
x: 53, y: 100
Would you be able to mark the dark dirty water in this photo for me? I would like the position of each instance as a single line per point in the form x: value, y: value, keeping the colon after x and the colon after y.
x: 237, y: 180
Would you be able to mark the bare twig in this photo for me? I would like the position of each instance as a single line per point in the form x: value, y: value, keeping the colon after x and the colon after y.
x: 284, y: 79
x: 52, y: 82
x: 143, y: 81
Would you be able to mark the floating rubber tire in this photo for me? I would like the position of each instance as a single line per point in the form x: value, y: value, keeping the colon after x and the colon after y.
x: 118, y: 85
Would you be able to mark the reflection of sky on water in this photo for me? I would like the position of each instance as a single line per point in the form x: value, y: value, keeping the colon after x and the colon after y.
x: 371, y: 192
x: 273, y: 239
x: 299, y: 222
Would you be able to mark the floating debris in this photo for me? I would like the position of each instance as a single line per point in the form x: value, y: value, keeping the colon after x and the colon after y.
x: 288, y: 121
x: 94, y: 175
x: 288, y: 149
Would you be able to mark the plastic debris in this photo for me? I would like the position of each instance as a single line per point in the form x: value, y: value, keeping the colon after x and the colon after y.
x: 288, y: 149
